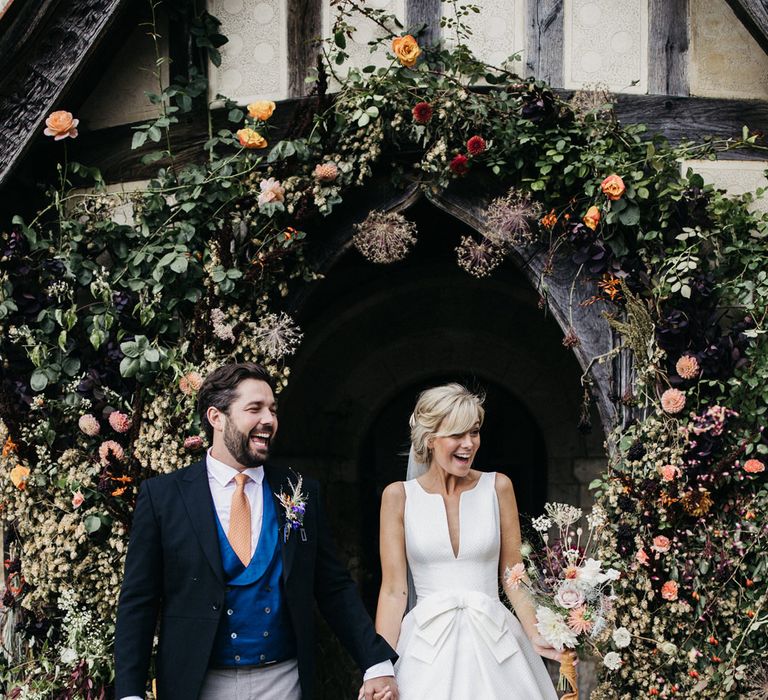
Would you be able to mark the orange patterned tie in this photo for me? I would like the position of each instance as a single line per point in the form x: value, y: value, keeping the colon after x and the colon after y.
x: 239, y: 534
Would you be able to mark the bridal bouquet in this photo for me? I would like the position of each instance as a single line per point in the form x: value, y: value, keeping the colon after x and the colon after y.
x: 571, y: 589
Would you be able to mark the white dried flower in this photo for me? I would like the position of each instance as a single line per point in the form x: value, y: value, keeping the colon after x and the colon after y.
x: 621, y: 637
x: 563, y: 514
x: 612, y: 661
x: 384, y: 237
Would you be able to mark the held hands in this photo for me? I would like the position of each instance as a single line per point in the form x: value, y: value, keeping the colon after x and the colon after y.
x: 381, y: 688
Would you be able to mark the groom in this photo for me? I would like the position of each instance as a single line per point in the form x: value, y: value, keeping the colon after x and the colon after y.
x: 231, y: 572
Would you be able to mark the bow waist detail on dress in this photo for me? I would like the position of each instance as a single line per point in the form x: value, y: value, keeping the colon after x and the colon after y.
x: 436, y: 614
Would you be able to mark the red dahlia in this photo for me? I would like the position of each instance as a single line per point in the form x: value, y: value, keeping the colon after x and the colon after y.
x: 459, y: 165
x: 476, y: 145
x: 422, y: 113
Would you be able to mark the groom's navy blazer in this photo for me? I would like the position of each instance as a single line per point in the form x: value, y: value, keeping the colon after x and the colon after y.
x: 173, y: 574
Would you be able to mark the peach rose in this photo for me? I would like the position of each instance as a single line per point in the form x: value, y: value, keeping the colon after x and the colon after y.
x: 261, y: 110
x: 77, y: 499
x: 19, y: 476
x: 251, y: 139
x: 406, y: 49
x: 642, y: 557
x: 661, y: 544
x: 613, y: 187
x: 61, y: 125
x: 592, y: 217
x: 669, y: 472
x: 669, y: 590
x: 673, y: 401
x: 688, y: 367
x: 754, y: 466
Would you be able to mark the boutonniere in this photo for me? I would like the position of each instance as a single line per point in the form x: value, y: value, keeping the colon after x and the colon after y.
x: 295, y: 505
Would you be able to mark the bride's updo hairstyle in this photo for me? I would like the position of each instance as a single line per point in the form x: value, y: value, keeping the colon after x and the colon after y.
x: 444, y: 410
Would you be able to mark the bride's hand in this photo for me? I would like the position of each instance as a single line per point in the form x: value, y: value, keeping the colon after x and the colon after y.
x: 545, y: 649
x: 382, y: 695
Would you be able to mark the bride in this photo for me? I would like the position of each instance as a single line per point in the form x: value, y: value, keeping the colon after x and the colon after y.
x: 455, y: 530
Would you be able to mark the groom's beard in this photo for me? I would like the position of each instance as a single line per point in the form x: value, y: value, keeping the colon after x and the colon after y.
x: 239, y: 446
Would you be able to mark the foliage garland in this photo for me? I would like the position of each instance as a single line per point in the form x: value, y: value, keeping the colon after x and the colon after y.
x: 109, y: 322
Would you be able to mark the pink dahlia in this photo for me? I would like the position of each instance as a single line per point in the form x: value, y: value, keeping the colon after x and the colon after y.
x: 110, y: 450
x: 120, y: 422
x: 88, y: 424
x: 688, y: 367
x: 476, y: 145
x: 193, y: 443
x: 673, y: 401
x: 422, y: 112
x: 669, y: 590
x: 326, y: 172
x: 754, y: 466
x: 190, y: 383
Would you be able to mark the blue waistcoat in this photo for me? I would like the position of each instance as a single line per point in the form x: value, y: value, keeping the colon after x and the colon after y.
x: 254, y: 627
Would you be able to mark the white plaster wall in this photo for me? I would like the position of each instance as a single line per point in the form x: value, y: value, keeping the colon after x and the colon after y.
x: 725, y: 61
x: 120, y: 95
x: 734, y: 176
x: 254, y: 62
x: 365, y: 30
x: 498, y: 31
x: 606, y: 41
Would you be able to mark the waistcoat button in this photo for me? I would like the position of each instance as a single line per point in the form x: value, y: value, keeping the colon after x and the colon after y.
x: 267, y: 610
x: 233, y: 635
x: 266, y: 634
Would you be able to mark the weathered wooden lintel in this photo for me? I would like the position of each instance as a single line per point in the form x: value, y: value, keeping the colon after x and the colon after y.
x: 668, y: 41
x: 754, y: 16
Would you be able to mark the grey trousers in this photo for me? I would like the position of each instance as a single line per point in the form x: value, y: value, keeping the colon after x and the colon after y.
x: 277, y: 682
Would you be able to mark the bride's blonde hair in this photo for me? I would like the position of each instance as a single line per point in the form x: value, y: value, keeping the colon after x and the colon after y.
x: 450, y: 409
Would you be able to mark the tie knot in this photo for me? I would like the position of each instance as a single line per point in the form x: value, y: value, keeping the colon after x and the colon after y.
x: 241, y: 479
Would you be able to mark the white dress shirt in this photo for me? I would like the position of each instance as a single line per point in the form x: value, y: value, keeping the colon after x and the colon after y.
x: 221, y: 481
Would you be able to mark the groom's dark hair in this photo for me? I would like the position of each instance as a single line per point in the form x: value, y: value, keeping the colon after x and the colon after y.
x: 220, y: 389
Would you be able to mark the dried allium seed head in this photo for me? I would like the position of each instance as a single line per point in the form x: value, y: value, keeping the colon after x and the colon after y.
x: 384, y: 237
x: 479, y: 259
x: 511, y: 220
x: 277, y: 335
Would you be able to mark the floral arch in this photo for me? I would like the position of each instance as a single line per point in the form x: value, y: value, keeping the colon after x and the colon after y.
x: 109, y: 322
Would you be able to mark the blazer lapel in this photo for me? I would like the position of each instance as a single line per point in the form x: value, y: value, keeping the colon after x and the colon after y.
x: 199, y: 504
x: 278, y: 481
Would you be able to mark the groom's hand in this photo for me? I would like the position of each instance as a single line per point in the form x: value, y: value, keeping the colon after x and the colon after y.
x: 381, y: 688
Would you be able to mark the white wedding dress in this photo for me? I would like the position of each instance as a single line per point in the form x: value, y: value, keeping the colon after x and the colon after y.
x: 460, y: 642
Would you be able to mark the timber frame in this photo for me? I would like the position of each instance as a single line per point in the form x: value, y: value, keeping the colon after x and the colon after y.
x: 50, y: 50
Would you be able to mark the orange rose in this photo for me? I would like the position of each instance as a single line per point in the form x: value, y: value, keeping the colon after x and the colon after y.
x: 406, y: 49
x: 19, y: 476
x: 613, y: 187
x: 754, y: 466
x: 60, y: 125
x: 592, y: 217
x: 251, y: 139
x: 261, y: 110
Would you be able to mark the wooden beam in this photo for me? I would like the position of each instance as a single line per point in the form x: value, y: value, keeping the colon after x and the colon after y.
x: 754, y: 16
x: 677, y: 118
x: 427, y: 14
x: 544, y: 46
x: 46, y: 65
x: 304, y: 31
x: 668, y: 41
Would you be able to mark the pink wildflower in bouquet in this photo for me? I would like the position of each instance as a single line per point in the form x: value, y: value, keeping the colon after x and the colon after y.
x: 571, y: 589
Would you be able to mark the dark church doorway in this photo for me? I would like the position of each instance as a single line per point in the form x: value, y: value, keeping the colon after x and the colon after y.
x: 375, y: 335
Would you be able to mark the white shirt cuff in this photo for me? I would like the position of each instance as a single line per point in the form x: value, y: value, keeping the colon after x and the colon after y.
x: 385, y: 668
x: 132, y: 697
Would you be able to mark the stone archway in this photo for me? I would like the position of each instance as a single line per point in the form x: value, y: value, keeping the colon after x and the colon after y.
x: 374, y: 333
